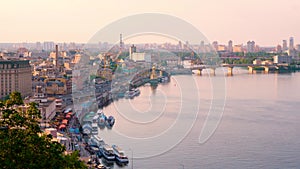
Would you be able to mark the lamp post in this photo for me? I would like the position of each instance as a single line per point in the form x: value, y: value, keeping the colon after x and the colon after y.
x: 131, y: 158
x: 181, y: 165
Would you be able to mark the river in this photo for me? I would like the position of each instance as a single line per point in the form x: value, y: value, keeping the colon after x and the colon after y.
x: 259, y: 127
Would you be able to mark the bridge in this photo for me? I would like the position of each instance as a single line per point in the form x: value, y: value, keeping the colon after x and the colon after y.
x: 151, y: 75
x: 230, y: 67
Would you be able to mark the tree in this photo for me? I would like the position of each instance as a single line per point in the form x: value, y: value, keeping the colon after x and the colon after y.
x: 22, y: 143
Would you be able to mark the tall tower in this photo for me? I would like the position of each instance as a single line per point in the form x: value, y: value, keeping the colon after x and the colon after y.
x: 56, y: 56
x: 291, y: 50
x: 230, y: 48
x: 215, y: 45
x: 291, y: 46
x: 121, y: 42
x: 202, y: 47
x: 179, y: 45
x: 284, y: 45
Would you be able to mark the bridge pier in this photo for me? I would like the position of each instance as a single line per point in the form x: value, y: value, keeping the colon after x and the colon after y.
x: 213, y: 71
x: 200, y: 72
x: 266, y: 69
x: 230, y: 71
x: 250, y: 69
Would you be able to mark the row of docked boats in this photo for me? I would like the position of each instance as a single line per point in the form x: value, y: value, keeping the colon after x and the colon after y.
x: 113, y: 153
x: 109, y: 153
x: 100, y: 120
x: 132, y: 93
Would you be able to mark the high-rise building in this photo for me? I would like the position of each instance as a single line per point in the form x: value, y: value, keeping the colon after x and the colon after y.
x: 230, y: 48
x: 180, y: 45
x: 291, y: 45
x: 250, y: 46
x: 202, y: 47
x: 15, y: 75
x: 298, y: 47
x: 292, y: 52
x: 38, y: 46
x: 48, y: 46
x: 284, y: 45
x: 215, y: 45
x: 132, y: 50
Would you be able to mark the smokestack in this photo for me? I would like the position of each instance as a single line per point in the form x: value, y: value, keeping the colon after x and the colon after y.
x: 56, y: 55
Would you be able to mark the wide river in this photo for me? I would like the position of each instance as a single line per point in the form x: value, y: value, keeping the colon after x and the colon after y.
x: 259, y: 123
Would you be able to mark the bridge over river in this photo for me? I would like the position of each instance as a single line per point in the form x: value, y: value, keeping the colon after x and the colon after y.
x: 230, y: 67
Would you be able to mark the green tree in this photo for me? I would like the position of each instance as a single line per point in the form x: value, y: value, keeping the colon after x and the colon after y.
x: 22, y: 143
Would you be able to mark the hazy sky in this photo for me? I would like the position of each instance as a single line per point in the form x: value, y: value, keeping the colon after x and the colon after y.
x: 267, y: 22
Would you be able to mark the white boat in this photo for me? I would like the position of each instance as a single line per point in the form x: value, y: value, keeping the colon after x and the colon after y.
x: 95, y: 118
x: 94, y: 128
x: 87, y: 128
x: 97, y: 140
x: 68, y: 110
x: 101, y: 166
x: 129, y: 94
x: 137, y: 92
x: 107, y: 152
x: 120, y: 155
x: 110, y: 121
x: 100, y: 112
x: 102, y: 121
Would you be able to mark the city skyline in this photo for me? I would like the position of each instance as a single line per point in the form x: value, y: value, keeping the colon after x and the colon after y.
x: 265, y: 22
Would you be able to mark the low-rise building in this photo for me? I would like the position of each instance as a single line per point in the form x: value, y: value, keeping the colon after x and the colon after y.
x: 267, y: 62
x: 105, y: 73
x: 47, y: 107
x: 59, y: 105
x: 282, y: 59
x: 56, y: 86
x: 256, y: 62
x: 141, y: 57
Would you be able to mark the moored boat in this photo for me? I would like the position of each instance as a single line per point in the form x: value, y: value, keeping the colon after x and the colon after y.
x: 121, y: 159
x: 100, y: 112
x: 102, y: 121
x: 137, y: 92
x: 94, y: 128
x: 87, y: 128
x: 129, y: 94
x: 107, y: 152
x: 110, y: 121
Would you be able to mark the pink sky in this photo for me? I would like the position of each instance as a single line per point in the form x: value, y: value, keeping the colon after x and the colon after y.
x: 267, y: 22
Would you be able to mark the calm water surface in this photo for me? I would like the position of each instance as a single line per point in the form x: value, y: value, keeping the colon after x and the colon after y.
x: 259, y: 128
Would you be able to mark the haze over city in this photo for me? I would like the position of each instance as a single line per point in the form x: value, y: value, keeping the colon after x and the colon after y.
x: 266, y: 22
x: 149, y: 84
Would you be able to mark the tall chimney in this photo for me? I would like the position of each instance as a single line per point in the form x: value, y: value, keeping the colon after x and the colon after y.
x: 56, y: 55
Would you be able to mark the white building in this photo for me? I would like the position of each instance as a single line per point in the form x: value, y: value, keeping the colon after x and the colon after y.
x: 140, y: 57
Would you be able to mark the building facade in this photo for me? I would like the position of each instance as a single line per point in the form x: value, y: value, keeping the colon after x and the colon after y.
x: 282, y: 59
x: 15, y: 75
x: 56, y: 86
